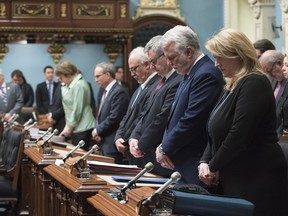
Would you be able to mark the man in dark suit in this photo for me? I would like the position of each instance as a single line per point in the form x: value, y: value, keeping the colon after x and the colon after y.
x: 272, y: 62
x: 57, y: 114
x: 111, y: 109
x: 149, y: 131
x: 185, y: 137
x: 147, y: 78
x: 11, y: 100
x: 45, y: 91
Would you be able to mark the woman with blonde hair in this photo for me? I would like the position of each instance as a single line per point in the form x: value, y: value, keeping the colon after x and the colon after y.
x: 242, y: 156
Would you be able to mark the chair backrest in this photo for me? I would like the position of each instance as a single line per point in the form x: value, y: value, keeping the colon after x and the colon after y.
x: 11, y: 148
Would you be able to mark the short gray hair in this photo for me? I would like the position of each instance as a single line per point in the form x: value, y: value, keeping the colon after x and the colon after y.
x: 183, y: 36
x: 107, y: 67
x: 154, y: 44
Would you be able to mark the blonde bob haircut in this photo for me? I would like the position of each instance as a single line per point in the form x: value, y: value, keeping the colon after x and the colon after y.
x: 232, y: 44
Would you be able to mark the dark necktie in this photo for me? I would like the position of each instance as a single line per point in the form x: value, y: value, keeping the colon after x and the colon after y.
x: 102, y: 102
x: 4, y: 95
x: 137, y: 96
x: 160, y: 84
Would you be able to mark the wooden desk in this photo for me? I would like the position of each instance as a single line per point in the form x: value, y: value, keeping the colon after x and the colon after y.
x: 35, y: 181
x: 38, y: 181
x: 69, y: 194
x: 109, y: 206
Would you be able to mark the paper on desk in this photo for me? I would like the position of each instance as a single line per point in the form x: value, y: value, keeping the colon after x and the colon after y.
x: 99, y: 163
x: 110, y: 180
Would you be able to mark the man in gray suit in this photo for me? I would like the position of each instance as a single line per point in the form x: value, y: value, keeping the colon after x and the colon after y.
x: 150, y: 129
x: 11, y: 100
x: 147, y: 78
x: 111, y: 109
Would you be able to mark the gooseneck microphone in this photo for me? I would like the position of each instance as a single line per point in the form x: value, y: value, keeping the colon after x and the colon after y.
x: 81, y: 143
x: 174, y: 177
x: 51, y: 135
x: 30, y: 126
x: 93, y: 149
x: 148, y: 167
x: 13, y: 118
x: 43, y: 135
x: 30, y: 121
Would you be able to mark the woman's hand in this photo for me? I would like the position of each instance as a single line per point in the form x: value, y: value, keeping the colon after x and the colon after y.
x: 209, y: 178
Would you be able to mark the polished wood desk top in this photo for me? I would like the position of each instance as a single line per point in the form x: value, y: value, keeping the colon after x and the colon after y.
x: 74, y: 184
x: 41, y: 159
x: 109, y: 206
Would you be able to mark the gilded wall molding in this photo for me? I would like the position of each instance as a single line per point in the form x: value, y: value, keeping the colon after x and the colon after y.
x: 93, y: 11
x: 2, y: 9
x: 159, y: 7
x: 114, y: 46
x: 3, y: 50
x: 56, y: 50
x: 32, y: 10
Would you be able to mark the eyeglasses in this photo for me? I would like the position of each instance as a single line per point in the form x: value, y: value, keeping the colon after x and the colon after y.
x: 154, y: 61
x: 133, y: 69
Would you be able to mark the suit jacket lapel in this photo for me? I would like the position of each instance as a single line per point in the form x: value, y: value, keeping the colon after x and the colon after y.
x: 184, y: 83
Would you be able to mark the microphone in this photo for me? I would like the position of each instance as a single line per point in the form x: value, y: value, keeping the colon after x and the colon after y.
x: 41, y: 137
x: 28, y: 122
x: 174, y: 177
x: 148, y: 167
x: 13, y: 118
x: 34, y: 116
x: 93, y: 149
x: 80, y: 144
x: 51, y: 135
x: 30, y: 126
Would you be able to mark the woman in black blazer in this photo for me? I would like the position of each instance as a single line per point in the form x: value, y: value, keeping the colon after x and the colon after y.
x: 242, y: 155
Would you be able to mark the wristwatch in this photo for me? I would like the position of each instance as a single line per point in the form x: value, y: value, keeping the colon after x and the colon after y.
x: 161, y: 149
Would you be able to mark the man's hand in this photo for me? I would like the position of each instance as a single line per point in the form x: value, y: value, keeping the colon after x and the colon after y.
x: 119, y: 143
x: 134, y: 150
x: 163, y: 159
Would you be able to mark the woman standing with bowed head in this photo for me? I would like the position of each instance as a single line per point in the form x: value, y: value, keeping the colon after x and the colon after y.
x: 76, y: 100
x: 242, y: 156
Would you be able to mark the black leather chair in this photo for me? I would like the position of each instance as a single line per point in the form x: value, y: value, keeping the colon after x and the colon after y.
x: 11, y: 150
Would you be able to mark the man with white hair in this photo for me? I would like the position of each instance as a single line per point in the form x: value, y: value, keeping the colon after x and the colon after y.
x: 185, y: 137
x: 11, y: 100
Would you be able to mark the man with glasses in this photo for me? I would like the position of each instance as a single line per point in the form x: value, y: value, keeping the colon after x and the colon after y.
x: 150, y: 129
x: 111, y: 109
x: 271, y: 62
x: 148, y: 79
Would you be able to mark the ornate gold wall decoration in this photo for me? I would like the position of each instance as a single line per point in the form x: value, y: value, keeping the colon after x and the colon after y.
x: 2, y: 9
x: 113, y: 51
x: 3, y: 50
x: 159, y: 7
x: 56, y: 50
x: 63, y: 10
x: 93, y: 11
x: 32, y: 10
x: 123, y: 10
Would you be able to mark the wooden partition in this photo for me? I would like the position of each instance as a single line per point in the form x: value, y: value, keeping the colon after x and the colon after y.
x: 68, y: 194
